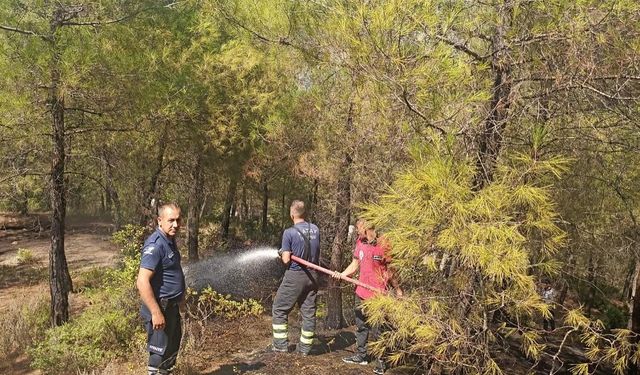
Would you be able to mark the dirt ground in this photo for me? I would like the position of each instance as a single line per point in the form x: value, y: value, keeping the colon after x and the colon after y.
x: 241, y: 347
x: 86, y: 246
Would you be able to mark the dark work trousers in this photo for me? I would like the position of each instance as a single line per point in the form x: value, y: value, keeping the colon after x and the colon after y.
x: 163, y: 344
x: 298, y: 287
x: 364, y: 332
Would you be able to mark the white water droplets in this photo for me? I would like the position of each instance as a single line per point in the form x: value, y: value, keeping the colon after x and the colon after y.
x: 242, y: 273
x: 261, y: 253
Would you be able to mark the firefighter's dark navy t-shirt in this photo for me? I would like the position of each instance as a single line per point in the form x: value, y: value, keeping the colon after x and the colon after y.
x: 294, y: 242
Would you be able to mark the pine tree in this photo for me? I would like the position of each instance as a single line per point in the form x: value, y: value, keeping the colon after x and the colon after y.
x: 467, y: 257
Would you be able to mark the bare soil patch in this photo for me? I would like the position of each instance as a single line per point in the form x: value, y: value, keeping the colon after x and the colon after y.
x: 242, y: 347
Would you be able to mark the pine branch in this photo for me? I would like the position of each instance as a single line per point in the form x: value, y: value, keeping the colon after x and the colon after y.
x: 406, y: 101
x: 88, y: 177
x: 21, y: 31
x: 7, y: 178
x: 80, y: 131
x: 461, y: 47
x: 285, y: 41
x: 117, y: 20
x: 84, y: 111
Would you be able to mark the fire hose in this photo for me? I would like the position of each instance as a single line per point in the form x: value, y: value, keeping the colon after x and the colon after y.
x: 331, y: 273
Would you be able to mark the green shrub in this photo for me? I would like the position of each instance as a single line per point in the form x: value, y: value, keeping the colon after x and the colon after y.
x: 209, y: 304
x: 130, y: 240
x: 26, y: 257
x: 109, y: 328
x: 92, y: 278
x: 209, y: 236
x: 101, y: 333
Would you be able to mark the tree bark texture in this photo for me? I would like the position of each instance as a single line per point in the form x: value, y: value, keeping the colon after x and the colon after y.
x: 490, y: 139
x: 335, y: 318
x: 314, y: 200
x: 146, y: 215
x: 195, y: 201
x: 265, y: 205
x: 634, y: 318
x: 59, y: 279
x: 228, y: 206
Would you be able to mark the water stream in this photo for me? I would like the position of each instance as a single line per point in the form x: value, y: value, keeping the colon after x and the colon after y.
x: 248, y: 273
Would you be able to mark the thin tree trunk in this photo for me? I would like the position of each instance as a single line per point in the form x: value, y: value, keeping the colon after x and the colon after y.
x: 22, y: 202
x: 106, y: 197
x: 244, y: 205
x: 195, y: 199
x: 335, y: 317
x: 283, y: 212
x: 113, y: 206
x: 564, y: 290
x: 147, y: 213
x: 314, y: 200
x: 228, y: 206
x: 265, y: 205
x: 634, y: 315
x: 591, y: 279
x: 490, y: 140
x: 59, y: 279
x: 628, y: 281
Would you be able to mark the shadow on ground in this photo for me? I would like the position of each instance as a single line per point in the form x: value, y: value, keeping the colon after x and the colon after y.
x: 237, y: 368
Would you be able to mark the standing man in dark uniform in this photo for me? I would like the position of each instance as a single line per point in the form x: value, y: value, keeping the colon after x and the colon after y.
x: 161, y: 286
x: 299, y: 284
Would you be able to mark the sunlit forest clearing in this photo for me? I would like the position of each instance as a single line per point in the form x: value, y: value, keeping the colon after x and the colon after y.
x: 494, y: 144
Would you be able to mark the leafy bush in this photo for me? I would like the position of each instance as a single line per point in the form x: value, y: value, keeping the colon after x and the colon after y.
x: 100, y: 334
x: 209, y: 304
x: 615, y: 317
x: 130, y: 239
x: 90, y: 279
x: 209, y: 235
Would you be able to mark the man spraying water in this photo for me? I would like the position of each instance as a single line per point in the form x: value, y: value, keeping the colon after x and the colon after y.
x: 299, y: 284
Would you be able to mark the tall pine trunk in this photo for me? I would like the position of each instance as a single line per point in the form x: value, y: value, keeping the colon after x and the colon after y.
x: 228, y: 205
x: 265, y: 205
x: 490, y: 139
x: 634, y: 318
x: 284, y: 212
x: 59, y: 279
x: 112, y: 201
x: 335, y: 317
x: 147, y: 214
x: 195, y: 201
x: 314, y: 200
